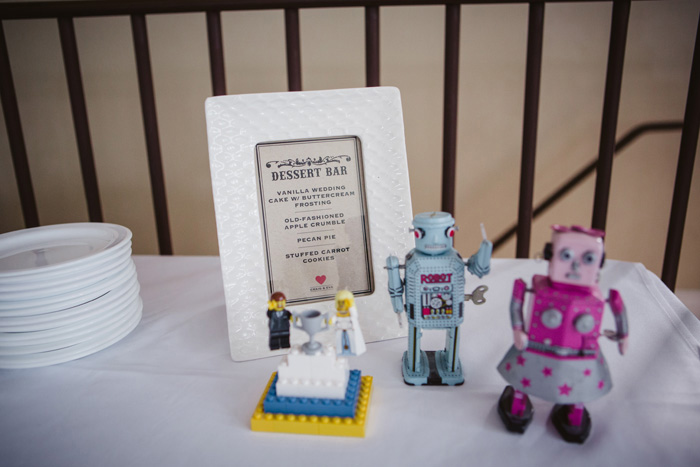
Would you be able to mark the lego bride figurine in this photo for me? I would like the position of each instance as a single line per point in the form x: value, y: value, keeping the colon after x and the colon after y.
x: 348, y: 335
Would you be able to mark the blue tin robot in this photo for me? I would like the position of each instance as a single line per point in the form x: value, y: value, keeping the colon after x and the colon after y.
x: 434, y: 297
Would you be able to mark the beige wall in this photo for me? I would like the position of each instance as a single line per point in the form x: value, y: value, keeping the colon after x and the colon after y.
x: 493, y: 42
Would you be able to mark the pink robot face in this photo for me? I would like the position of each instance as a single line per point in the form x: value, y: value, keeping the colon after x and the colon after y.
x: 576, y: 257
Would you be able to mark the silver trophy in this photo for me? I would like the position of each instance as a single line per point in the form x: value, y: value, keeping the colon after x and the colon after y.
x: 312, y: 321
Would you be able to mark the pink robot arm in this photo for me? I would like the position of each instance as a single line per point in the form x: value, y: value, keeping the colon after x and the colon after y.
x: 620, y: 313
x: 516, y: 314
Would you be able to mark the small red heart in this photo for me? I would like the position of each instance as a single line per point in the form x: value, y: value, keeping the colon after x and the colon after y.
x: 320, y: 279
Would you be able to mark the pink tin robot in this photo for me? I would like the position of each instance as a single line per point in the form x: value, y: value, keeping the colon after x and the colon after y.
x: 555, y: 355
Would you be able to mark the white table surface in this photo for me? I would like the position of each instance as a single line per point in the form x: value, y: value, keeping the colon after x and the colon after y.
x: 169, y: 393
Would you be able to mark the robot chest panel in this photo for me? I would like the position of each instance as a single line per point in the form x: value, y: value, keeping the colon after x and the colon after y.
x: 435, y: 289
x: 565, y: 319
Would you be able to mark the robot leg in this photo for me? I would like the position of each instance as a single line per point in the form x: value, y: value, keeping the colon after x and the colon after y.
x: 415, y: 363
x: 447, y: 361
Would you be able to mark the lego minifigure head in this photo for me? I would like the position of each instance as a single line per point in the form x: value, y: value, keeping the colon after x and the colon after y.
x: 575, y: 255
x: 434, y: 232
x: 344, y: 300
x: 277, y: 301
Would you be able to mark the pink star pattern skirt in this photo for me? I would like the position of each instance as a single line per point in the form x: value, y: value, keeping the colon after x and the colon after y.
x: 555, y: 379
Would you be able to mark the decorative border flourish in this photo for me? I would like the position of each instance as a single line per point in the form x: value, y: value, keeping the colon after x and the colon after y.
x: 309, y: 161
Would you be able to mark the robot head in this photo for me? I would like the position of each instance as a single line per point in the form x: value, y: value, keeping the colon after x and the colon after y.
x: 575, y: 255
x: 277, y: 301
x: 344, y: 300
x: 434, y: 232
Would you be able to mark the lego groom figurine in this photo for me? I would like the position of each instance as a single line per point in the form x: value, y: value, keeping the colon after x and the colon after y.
x: 279, y: 318
x: 434, y: 296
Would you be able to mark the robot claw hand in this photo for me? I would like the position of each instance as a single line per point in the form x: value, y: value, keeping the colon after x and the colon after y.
x: 479, y: 263
x: 397, y: 304
x: 395, y: 286
x: 520, y: 339
x: 622, y: 342
x: 622, y: 345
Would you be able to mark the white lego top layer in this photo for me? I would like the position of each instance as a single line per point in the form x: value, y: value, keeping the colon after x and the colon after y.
x: 322, y: 375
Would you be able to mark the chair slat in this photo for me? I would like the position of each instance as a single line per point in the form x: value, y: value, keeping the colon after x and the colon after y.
x: 76, y: 92
x: 684, y: 172
x: 449, y: 125
x: 150, y: 123
x: 533, y: 71
x: 372, y: 45
x: 216, y: 53
x: 16, y: 138
x: 611, y: 106
x: 291, y: 23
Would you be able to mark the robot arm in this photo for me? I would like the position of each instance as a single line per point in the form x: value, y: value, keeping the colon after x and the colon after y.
x: 479, y: 263
x: 516, y: 314
x: 621, y: 327
x: 395, y: 286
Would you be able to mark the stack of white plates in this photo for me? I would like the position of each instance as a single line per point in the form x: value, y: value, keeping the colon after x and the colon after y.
x: 66, y: 291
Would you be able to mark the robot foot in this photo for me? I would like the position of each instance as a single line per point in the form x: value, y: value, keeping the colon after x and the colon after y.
x: 430, y: 372
x: 514, y: 423
x: 570, y: 433
x: 443, y: 373
x: 418, y: 376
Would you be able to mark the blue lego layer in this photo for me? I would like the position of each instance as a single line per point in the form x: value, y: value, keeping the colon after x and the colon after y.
x: 315, y: 406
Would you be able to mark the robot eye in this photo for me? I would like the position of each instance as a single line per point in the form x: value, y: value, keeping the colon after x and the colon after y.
x: 588, y: 257
x: 566, y: 254
x: 450, y: 232
x: 419, y: 233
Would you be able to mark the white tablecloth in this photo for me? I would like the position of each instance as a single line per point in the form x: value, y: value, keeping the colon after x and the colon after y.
x: 169, y: 394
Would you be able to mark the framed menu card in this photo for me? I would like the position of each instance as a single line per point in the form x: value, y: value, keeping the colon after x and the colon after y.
x: 314, y: 217
x: 311, y: 195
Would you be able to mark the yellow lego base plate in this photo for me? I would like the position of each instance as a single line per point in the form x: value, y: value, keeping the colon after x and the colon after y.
x: 312, y: 424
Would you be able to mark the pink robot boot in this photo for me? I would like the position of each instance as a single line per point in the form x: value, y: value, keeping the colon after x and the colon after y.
x: 573, y: 422
x: 515, y: 410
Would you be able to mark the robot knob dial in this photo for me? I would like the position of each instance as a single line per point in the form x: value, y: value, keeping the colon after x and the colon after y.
x: 552, y: 318
x: 584, y: 323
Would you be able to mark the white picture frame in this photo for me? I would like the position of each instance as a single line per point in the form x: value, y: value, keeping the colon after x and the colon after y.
x: 236, y: 125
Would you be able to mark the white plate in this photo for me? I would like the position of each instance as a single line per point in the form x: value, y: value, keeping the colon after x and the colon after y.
x: 77, y: 351
x: 89, y: 319
x: 69, y: 270
x: 67, y: 300
x: 70, y: 315
x: 112, y: 320
x: 51, y: 247
x: 66, y: 284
